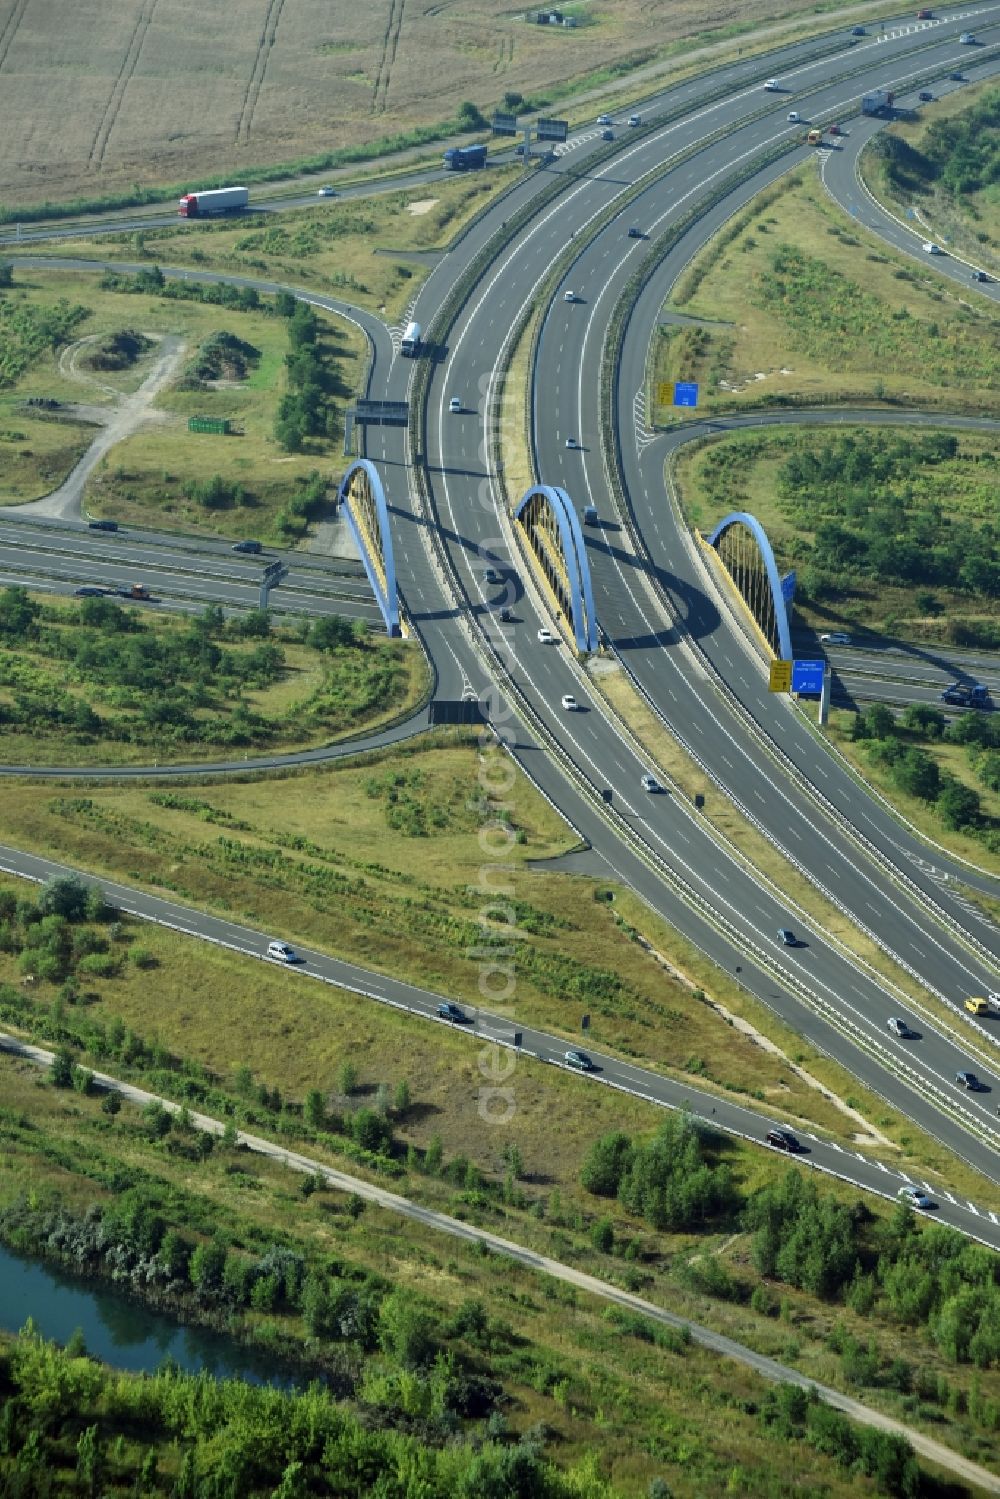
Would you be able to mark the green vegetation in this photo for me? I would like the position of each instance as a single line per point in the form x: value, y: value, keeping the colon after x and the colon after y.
x: 961, y: 154
x: 304, y: 411
x: 328, y: 247
x: 29, y: 331
x: 103, y: 680
x: 236, y: 349
x: 670, y: 1182
x: 800, y: 306
x: 946, y: 165
x: 899, y: 749
x: 887, y: 531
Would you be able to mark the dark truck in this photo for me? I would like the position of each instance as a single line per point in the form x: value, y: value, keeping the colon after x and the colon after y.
x: 967, y: 695
x: 465, y: 158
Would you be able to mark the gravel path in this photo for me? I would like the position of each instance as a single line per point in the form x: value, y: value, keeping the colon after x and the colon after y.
x: 120, y: 421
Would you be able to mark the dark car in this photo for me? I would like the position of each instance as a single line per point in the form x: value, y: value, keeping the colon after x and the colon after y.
x: 495, y: 575
x: 957, y: 77
x: 579, y: 1060
x: 635, y: 232
x: 783, y: 1139
x: 253, y: 547
x: 103, y: 525
x: 858, y: 31
x: 451, y: 1012
x: 980, y: 276
x: 89, y: 592
x: 506, y: 615
x: 925, y: 96
x: 969, y: 1080
x: 787, y: 936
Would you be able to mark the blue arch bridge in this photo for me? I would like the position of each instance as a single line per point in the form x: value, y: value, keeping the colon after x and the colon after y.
x: 745, y: 562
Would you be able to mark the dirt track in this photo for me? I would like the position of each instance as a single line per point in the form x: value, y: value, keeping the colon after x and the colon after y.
x: 119, y: 421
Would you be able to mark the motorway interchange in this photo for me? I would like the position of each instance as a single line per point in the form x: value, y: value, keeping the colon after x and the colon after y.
x: 705, y: 148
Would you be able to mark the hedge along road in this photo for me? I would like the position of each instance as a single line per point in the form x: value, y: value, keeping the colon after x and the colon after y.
x: 391, y: 1202
x: 490, y: 1032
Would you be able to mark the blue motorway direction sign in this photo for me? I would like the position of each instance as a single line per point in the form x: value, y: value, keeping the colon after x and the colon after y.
x: 685, y: 393
x: 807, y: 677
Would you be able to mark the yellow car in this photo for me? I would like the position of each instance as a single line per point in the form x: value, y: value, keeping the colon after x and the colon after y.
x: 977, y: 1006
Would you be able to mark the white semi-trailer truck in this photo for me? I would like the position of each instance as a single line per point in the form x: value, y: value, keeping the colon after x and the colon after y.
x: 215, y: 200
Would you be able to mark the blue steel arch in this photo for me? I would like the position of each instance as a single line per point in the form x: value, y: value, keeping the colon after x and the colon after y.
x: 574, y: 550
x: 753, y: 525
x: 361, y: 488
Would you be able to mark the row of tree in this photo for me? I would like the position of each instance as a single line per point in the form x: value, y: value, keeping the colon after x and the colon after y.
x: 890, y: 743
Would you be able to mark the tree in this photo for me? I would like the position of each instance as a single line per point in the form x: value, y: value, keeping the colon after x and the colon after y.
x: 347, y: 1078
x: 879, y: 722
x: 62, y: 1068
x: 372, y: 1131
x: 207, y: 1268
x: 923, y: 719
x: 957, y: 804
x: 406, y: 1330
x: 606, y: 1164
x: 401, y: 1097
x: 917, y: 774
x: 18, y: 614
x: 64, y: 895
x: 314, y: 1109
x: 330, y: 633
x: 88, y: 1460
x: 285, y: 304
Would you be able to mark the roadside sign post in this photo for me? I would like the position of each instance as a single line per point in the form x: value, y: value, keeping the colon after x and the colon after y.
x: 807, y: 677
x: 685, y: 393
x: 780, y: 677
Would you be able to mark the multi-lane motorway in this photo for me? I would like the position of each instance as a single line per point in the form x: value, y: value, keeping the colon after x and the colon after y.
x: 654, y: 600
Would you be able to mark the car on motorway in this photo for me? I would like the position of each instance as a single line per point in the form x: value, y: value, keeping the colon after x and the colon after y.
x: 506, y: 615
x: 858, y: 31
x: 970, y: 1081
x: 569, y: 296
x: 545, y: 637
x: 783, y: 1139
x: 833, y: 129
x: 494, y: 575
x: 771, y: 86
x: 794, y: 118
x: 649, y: 782
x: 930, y: 248
x: 925, y: 15
x: 835, y: 637
x: 571, y: 442
x: 977, y: 1005
x: 980, y: 276
x: 635, y: 120
x: 454, y: 405
x: 899, y: 1027
x: 787, y: 937
x: 925, y: 96
x: 103, y: 525
x: 607, y: 135
x: 604, y: 119
x: 635, y: 232
x: 957, y: 76
x: 915, y: 1196
x: 449, y: 1011
x: 281, y: 952
x: 325, y: 192
x: 250, y: 547
x: 967, y: 39
x: 580, y: 1060
x: 89, y: 592
x: 569, y: 702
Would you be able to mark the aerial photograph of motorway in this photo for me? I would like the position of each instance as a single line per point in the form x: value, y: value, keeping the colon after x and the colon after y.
x: 499, y: 750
